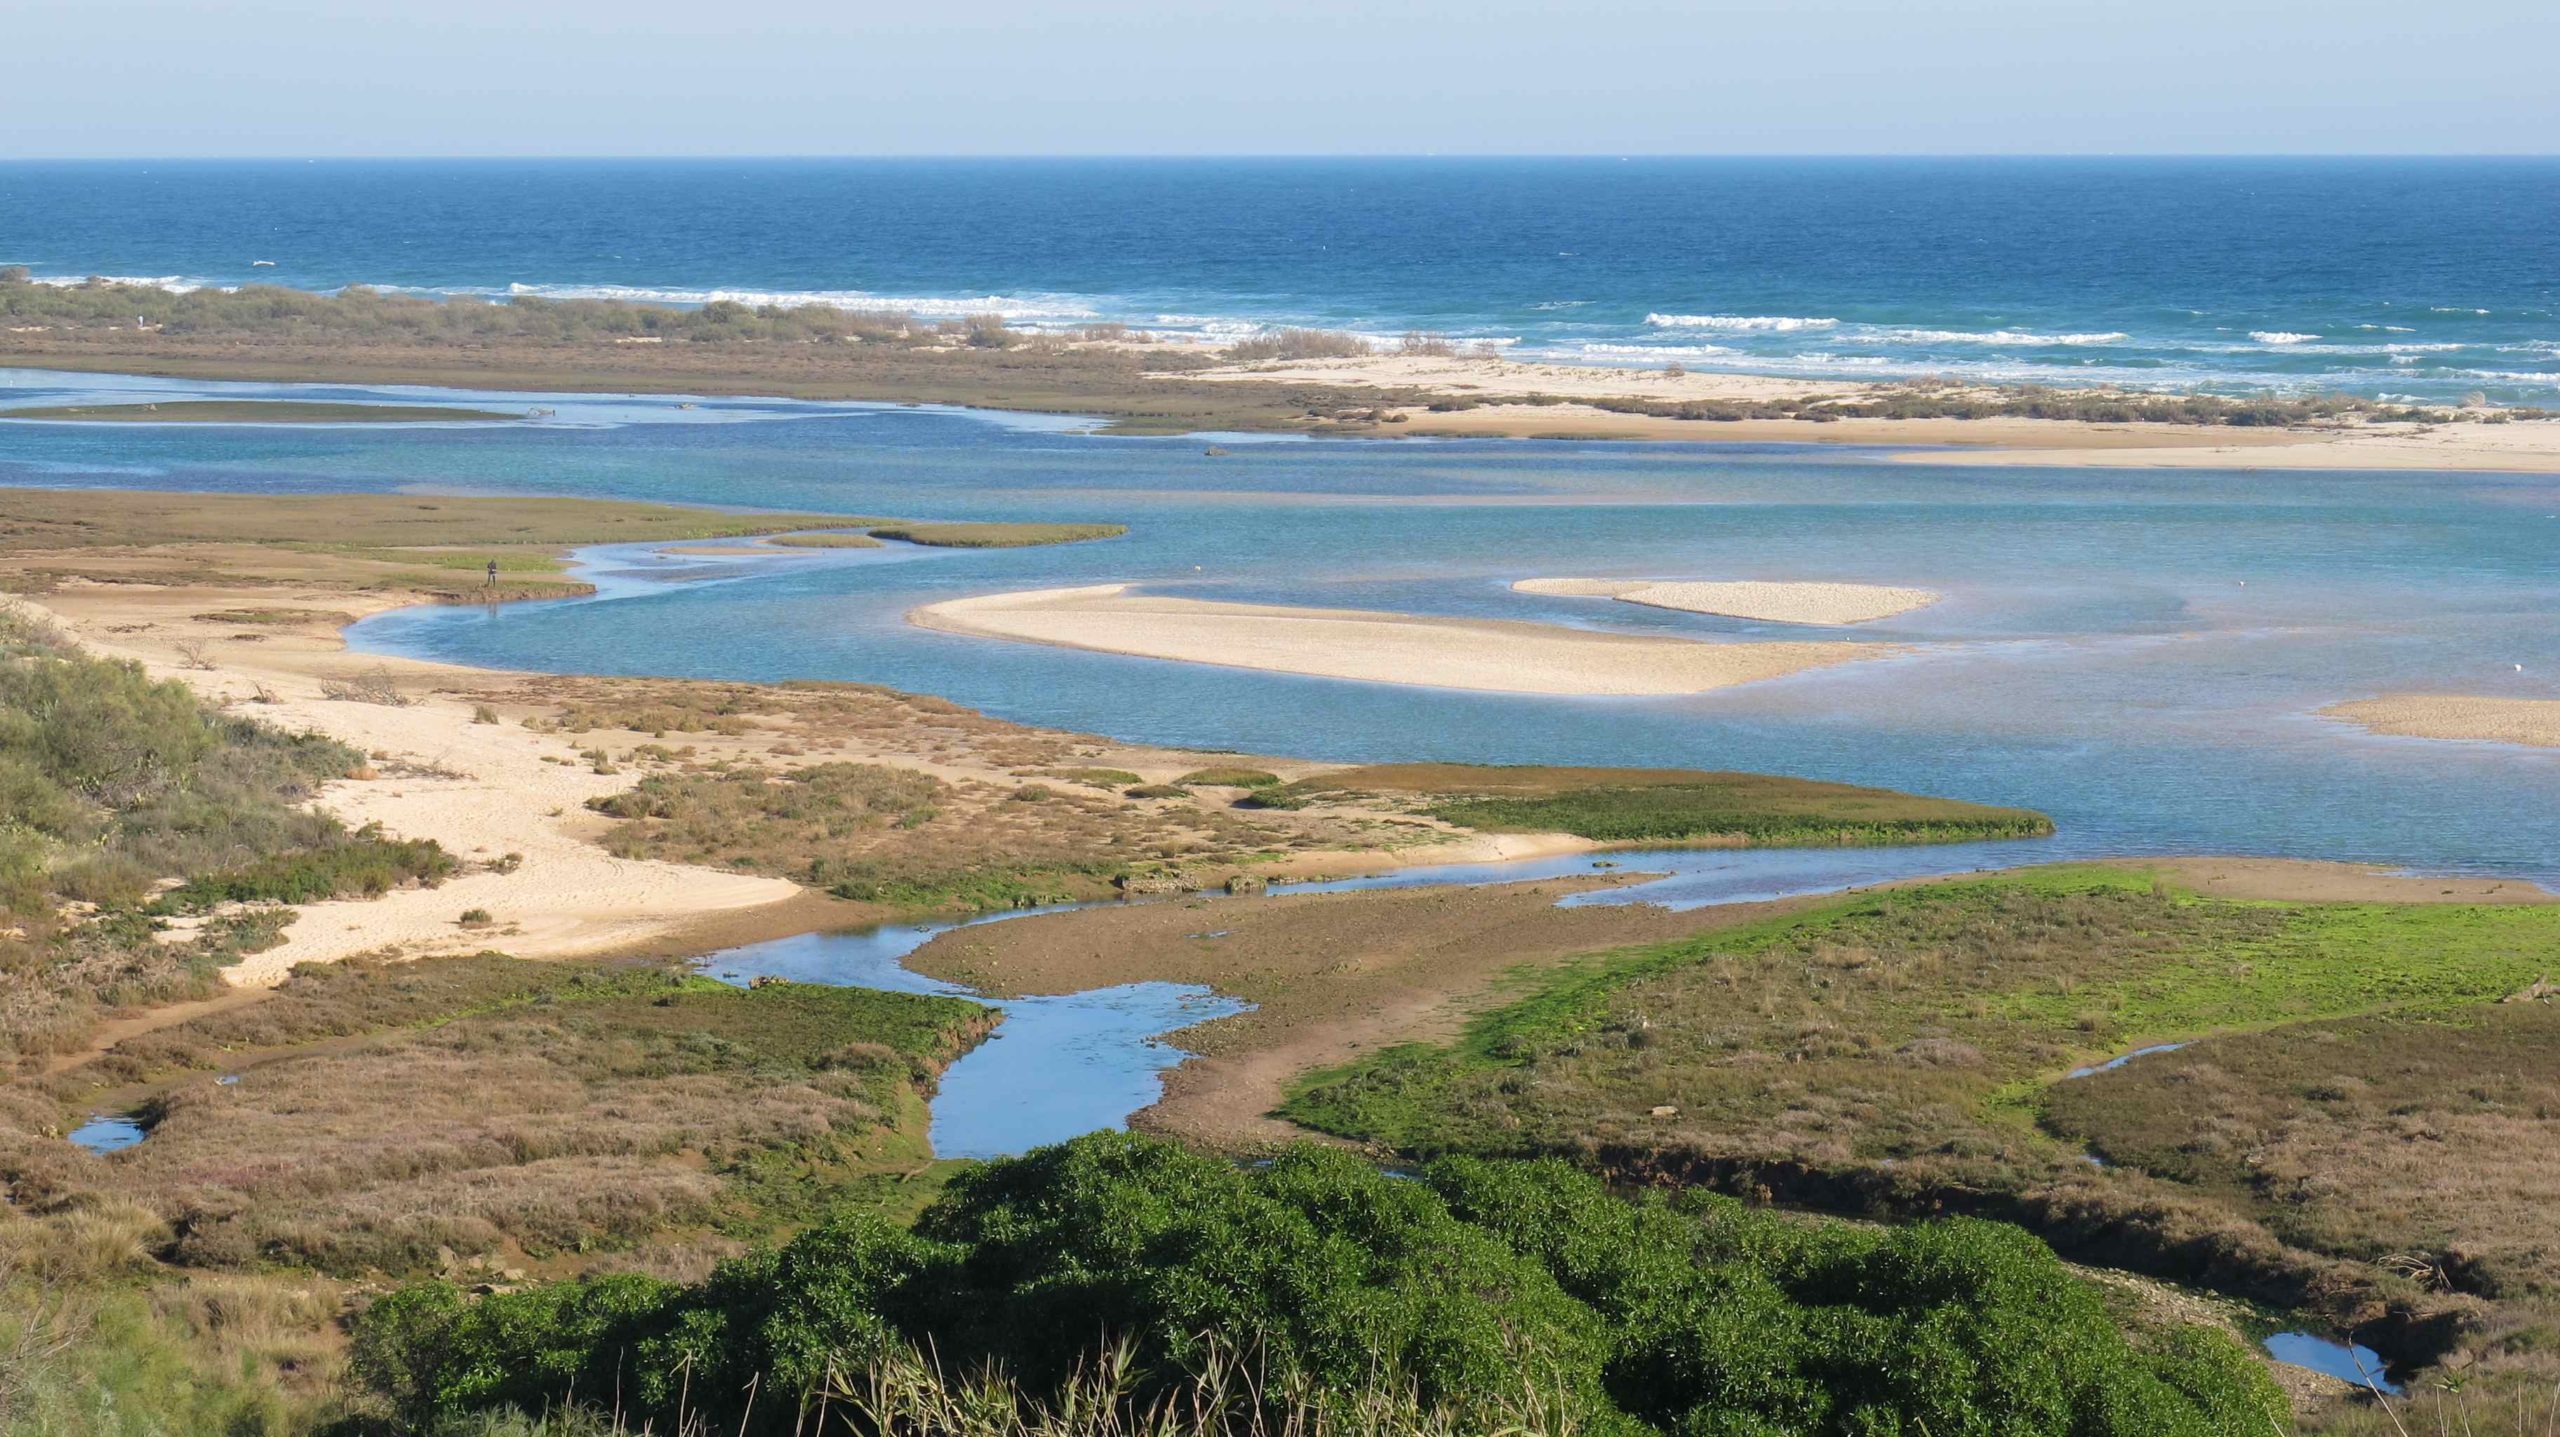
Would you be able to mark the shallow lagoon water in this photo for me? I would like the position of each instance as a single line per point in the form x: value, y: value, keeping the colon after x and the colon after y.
x: 2140, y: 654
x: 1054, y: 1068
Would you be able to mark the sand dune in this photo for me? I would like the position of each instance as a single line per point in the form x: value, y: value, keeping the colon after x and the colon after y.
x: 2534, y: 722
x: 1782, y: 603
x: 1485, y: 654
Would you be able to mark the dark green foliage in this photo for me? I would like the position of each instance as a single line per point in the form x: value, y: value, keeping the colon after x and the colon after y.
x: 1696, y: 1317
x: 366, y: 864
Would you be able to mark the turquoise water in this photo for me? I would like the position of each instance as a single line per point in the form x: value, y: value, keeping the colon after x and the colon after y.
x: 2140, y: 654
x: 2424, y: 277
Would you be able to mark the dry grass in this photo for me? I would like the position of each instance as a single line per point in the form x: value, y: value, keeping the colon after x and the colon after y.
x: 498, y: 1112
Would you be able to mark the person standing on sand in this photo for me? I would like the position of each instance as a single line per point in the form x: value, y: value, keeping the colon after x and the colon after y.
x: 493, y: 574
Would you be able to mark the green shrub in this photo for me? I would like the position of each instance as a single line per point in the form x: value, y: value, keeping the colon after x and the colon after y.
x: 366, y: 864
x: 1229, y: 778
x: 1461, y: 1289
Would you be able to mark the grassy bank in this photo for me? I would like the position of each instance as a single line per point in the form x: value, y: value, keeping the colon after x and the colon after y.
x: 1915, y: 1051
x: 1662, y: 806
x: 434, y: 549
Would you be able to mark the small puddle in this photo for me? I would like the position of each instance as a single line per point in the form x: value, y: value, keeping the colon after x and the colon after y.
x: 2120, y: 1059
x: 2347, y: 1362
x: 103, y: 1134
x: 1056, y: 1068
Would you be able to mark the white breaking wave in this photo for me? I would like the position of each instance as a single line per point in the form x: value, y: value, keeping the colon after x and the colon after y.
x: 1993, y: 336
x: 2280, y: 336
x: 1657, y: 351
x: 1011, y: 307
x: 1737, y: 323
x: 174, y: 283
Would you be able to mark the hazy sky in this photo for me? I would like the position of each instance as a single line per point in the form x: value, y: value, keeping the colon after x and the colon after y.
x: 625, y: 77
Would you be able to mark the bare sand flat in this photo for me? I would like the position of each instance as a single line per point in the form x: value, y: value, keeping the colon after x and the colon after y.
x: 2533, y: 722
x: 1776, y: 602
x: 1490, y: 655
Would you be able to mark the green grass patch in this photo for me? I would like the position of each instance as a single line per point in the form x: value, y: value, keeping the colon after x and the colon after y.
x: 1094, y: 777
x: 995, y: 535
x: 1666, y: 806
x: 1229, y: 778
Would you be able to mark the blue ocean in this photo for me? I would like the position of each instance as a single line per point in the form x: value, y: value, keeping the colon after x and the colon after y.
x: 2423, y: 278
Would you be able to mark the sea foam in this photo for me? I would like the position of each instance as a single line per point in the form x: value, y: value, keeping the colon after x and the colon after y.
x: 1738, y: 323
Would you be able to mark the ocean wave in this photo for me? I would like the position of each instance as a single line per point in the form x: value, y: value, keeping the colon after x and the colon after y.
x: 2280, y: 336
x: 1655, y: 351
x: 1992, y: 336
x: 1560, y: 304
x: 2455, y: 309
x: 1738, y: 323
x: 174, y: 283
x: 928, y: 306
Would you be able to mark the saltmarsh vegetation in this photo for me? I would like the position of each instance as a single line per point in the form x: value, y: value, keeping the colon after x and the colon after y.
x: 909, y: 840
x: 477, y: 1117
x: 1483, y: 1296
x: 435, y: 549
x: 113, y: 788
x: 1913, y: 1052
x: 1670, y: 806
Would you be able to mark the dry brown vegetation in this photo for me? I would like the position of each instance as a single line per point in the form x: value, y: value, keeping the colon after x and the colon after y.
x: 487, y: 1111
x: 893, y: 836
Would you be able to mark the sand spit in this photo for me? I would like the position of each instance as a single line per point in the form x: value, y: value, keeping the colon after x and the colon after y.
x: 2532, y: 722
x: 1776, y: 602
x: 1489, y: 655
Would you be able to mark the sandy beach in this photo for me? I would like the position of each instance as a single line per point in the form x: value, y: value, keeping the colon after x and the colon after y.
x: 1488, y: 655
x: 2531, y: 722
x: 484, y: 790
x: 1774, y: 602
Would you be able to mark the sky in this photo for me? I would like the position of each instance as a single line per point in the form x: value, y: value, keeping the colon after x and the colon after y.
x: 168, y: 78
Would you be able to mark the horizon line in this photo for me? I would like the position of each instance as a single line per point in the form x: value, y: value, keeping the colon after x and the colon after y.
x: 1603, y: 156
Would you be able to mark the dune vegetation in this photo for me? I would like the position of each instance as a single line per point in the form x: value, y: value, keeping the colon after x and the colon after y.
x: 125, y: 800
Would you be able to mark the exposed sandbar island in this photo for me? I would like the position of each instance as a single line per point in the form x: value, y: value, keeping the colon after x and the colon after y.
x: 1490, y: 655
x: 1782, y: 603
x: 2533, y: 722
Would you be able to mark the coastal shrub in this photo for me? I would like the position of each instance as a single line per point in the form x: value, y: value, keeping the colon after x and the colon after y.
x: 1229, y: 778
x: 1341, y: 1281
x: 1298, y: 344
x: 366, y: 864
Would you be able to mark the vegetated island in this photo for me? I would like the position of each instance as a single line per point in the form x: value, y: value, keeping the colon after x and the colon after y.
x: 257, y: 411
x: 1294, y: 380
x: 1774, y: 601
x: 410, y: 547
x: 1487, y: 655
